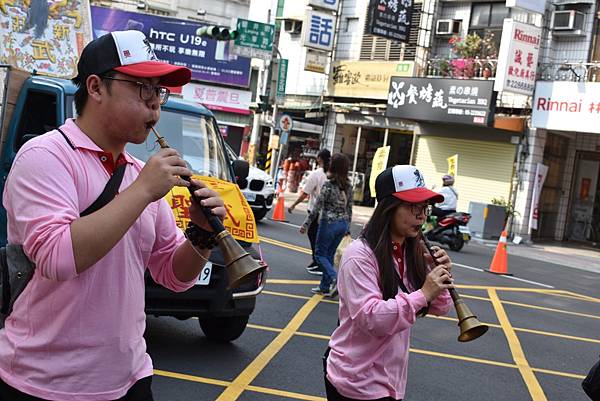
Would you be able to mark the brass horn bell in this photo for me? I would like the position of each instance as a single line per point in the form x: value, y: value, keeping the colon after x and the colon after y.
x: 240, y: 265
x: 470, y: 327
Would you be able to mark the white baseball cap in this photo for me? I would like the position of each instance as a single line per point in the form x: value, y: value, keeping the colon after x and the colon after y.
x: 128, y: 52
x: 406, y: 183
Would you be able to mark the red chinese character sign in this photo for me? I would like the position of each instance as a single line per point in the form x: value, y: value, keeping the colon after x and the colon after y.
x: 518, y: 57
x: 239, y: 220
x: 46, y: 39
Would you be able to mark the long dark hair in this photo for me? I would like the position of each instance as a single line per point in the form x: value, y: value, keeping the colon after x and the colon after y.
x: 338, y: 171
x: 377, y: 234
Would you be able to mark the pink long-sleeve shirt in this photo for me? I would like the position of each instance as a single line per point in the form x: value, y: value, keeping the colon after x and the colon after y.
x: 369, y: 349
x: 79, y: 336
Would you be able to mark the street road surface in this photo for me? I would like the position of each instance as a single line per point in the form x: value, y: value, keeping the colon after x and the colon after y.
x: 543, y: 338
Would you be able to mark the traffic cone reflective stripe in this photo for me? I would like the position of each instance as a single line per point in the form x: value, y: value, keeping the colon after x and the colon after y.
x: 279, y: 211
x: 500, y: 262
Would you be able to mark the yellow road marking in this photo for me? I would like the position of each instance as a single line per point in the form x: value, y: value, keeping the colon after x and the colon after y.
x: 443, y: 355
x: 583, y: 297
x: 286, y: 245
x: 223, y: 383
x: 475, y: 297
x: 235, y: 389
x: 295, y: 282
x: 537, y: 394
x: 283, y: 294
x: 191, y: 378
x: 287, y: 394
x: 549, y: 309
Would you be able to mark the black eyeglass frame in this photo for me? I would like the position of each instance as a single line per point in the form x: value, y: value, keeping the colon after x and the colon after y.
x: 160, y: 91
x: 418, y: 208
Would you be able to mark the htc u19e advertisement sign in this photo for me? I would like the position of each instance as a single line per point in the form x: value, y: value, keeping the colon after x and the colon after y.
x: 463, y: 101
x: 175, y: 41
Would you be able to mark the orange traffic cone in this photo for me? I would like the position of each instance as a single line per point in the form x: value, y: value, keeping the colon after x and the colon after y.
x: 279, y: 211
x: 500, y: 262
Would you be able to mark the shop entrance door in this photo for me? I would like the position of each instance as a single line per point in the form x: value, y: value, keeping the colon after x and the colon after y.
x: 585, y: 199
x: 555, y: 155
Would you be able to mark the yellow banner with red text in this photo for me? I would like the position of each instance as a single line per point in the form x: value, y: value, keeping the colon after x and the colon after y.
x: 239, y: 220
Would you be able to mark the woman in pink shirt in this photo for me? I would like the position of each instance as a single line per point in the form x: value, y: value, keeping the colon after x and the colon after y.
x: 386, y: 280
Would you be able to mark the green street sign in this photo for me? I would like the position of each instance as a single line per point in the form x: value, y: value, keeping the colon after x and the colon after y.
x: 281, y: 80
x: 255, y: 35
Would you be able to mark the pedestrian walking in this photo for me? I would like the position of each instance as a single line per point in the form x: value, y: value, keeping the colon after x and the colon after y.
x: 333, y: 208
x: 76, y: 331
x: 311, y: 190
x: 386, y: 280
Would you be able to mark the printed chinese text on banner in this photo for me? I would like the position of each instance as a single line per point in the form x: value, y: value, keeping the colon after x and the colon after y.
x: 219, y: 98
x: 465, y: 101
x: 366, y: 79
x: 452, y: 165
x: 45, y: 39
x: 518, y: 58
x: 175, y: 41
x: 390, y: 19
x: 380, y: 161
x: 239, y: 220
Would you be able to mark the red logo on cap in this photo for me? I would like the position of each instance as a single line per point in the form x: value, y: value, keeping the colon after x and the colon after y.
x: 126, y: 53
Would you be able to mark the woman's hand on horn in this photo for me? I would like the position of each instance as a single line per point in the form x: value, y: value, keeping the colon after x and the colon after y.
x: 441, y: 258
x: 436, y: 281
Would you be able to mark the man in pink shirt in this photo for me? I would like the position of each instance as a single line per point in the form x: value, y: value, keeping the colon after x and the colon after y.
x: 76, y: 331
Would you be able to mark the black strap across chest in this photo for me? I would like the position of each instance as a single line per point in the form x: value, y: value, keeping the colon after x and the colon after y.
x: 110, y: 190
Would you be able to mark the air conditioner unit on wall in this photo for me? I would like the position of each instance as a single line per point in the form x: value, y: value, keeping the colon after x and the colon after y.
x: 567, y: 22
x: 447, y: 27
x: 292, y: 26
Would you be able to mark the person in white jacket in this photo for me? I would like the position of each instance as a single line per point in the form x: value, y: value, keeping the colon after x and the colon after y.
x: 450, y: 198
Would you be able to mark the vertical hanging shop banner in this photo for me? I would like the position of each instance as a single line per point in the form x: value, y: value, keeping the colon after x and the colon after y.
x: 518, y: 58
x: 541, y: 172
x: 47, y: 38
x: 319, y: 30
x: 281, y: 81
x: 380, y: 161
x: 176, y: 42
x: 453, y: 165
x: 390, y: 19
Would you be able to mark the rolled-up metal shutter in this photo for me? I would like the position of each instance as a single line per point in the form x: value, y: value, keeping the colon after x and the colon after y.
x: 484, y: 168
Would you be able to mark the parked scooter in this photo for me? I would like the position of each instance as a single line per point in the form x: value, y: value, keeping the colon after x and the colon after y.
x: 449, y: 230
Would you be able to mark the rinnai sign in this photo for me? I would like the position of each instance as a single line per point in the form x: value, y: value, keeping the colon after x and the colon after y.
x: 518, y: 58
x: 567, y: 106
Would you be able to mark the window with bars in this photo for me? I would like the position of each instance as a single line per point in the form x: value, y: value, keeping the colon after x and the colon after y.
x: 378, y: 48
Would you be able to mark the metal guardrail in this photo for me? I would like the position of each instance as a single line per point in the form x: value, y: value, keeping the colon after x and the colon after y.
x: 569, y: 71
x: 462, y: 68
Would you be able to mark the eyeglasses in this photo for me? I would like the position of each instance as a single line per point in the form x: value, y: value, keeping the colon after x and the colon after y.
x: 418, y: 209
x: 147, y: 91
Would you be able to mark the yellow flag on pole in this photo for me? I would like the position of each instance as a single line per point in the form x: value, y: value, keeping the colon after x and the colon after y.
x: 239, y: 220
x: 379, y: 164
x: 453, y: 165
